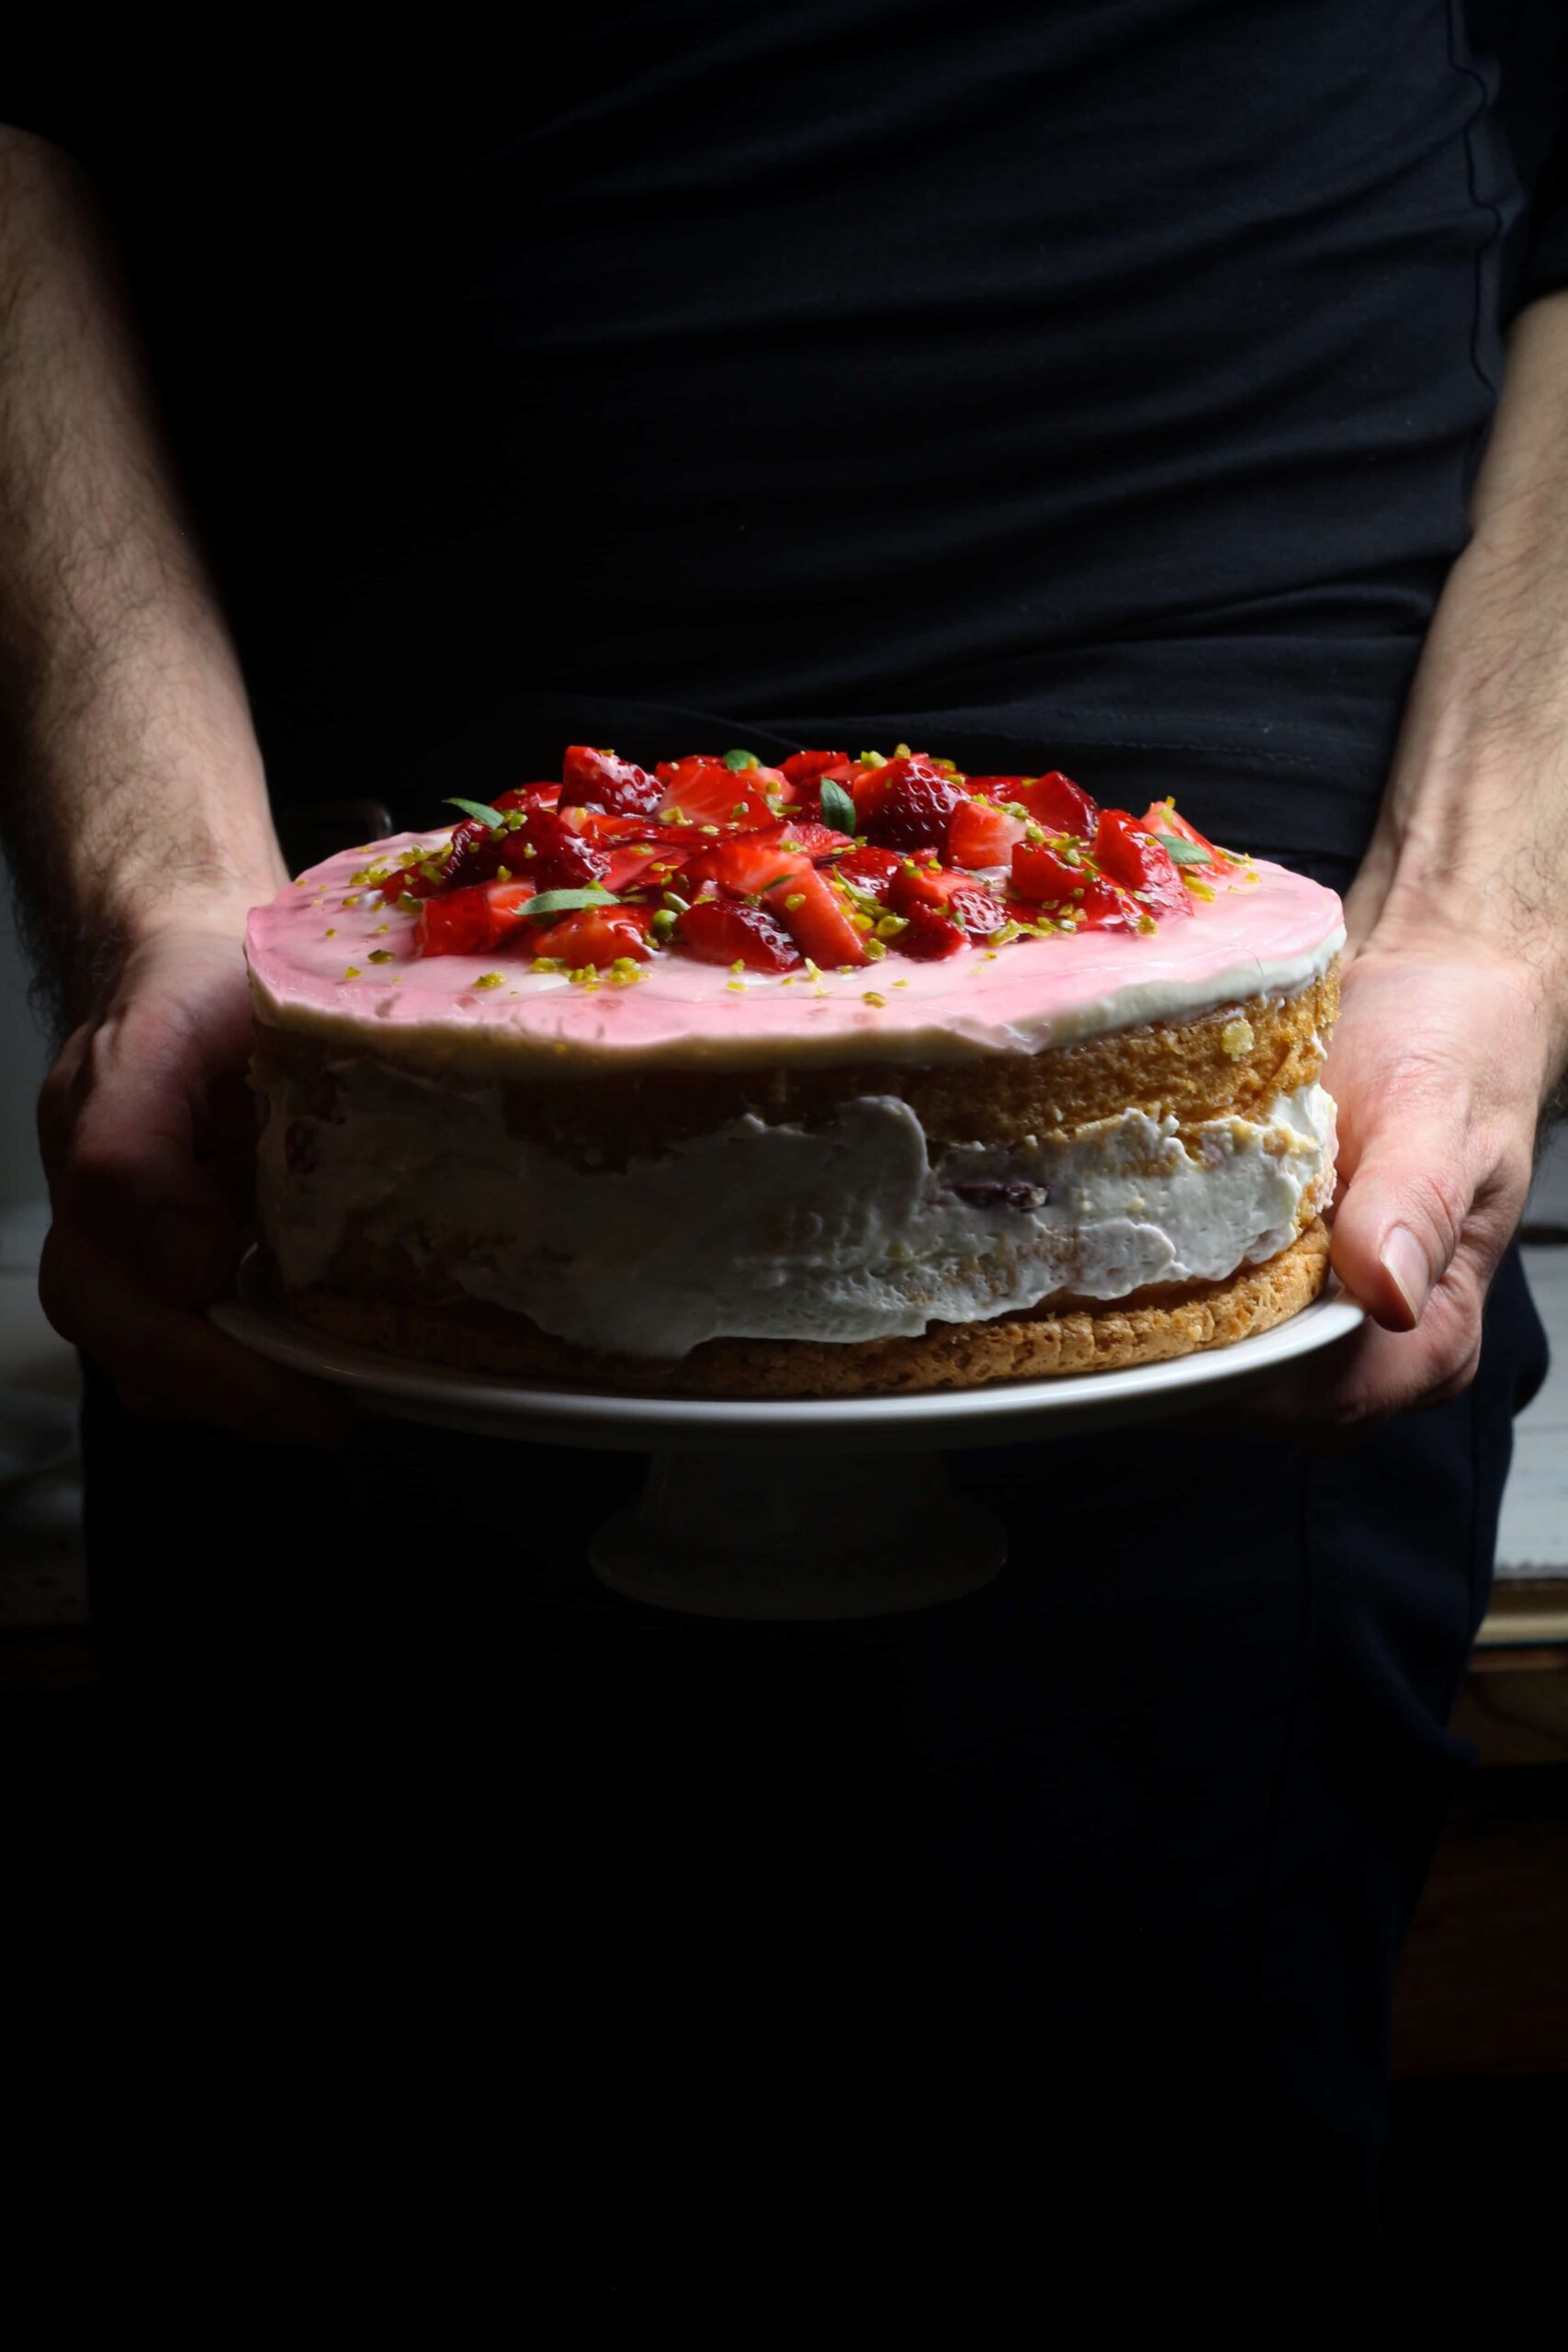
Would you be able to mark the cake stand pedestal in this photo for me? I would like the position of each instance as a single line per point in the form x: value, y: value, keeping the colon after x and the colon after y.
x: 797, y: 1536
x: 780, y: 1511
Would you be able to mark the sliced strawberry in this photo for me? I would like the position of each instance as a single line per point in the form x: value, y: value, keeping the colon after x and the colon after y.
x: 1058, y: 803
x: 564, y: 857
x: 748, y: 862
x: 818, y: 918
x: 638, y: 863
x: 598, y: 936
x: 707, y: 793
x: 1038, y: 871
x: 471, y: 921
x: 612, y: 831
x: 994, y: 787
x: 907, y: 804
x: 805, y: 770
x: 870, y: 870
x: 1129, y: 855
x: 1105, y: 906
x: 722, y: 931
x: 946, y: 890
x: 472, y: 855
x: 528, y: 796
x: 979, y: 833
x: 928, y: 936
x: 600, y: 780
x: 978, y: 911
x: 1160, y: 816
x: 818, y: 841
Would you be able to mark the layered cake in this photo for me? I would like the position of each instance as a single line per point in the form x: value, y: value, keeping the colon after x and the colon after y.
x: 852, y: 1075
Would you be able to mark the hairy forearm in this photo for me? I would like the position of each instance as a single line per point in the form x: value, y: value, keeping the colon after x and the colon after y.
x: 131, y: 786
x: 1473, y: 837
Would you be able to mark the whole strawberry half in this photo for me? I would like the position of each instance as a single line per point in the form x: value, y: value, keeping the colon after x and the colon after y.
x: 907, y: 804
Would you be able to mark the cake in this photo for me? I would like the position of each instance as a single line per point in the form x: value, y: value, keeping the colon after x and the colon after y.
x: 853, y: 1075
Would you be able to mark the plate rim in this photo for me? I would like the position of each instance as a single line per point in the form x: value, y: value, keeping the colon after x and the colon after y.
x: 400, y: 1380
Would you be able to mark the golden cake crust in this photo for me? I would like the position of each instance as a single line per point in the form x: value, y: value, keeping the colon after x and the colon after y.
x: 1149, y: 1327
x: 1224, y: 1062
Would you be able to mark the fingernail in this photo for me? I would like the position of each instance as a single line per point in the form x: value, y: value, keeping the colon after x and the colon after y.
x: 178, y: 1254
x: 1405, y: 1263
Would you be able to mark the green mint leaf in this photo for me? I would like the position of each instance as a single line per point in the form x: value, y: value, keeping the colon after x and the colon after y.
x: 1184, y: 853
x: 838, y: 808
x: 479, y: 809
x: 736, y: 761
x: 564, y: 902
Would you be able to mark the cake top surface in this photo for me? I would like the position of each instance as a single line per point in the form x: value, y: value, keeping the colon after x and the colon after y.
x: 393, y: 947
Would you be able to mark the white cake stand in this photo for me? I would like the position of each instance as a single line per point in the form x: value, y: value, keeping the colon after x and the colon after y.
x: 783, y: 1511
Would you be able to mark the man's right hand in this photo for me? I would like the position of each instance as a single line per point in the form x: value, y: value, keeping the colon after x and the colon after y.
x: 146, y: 1127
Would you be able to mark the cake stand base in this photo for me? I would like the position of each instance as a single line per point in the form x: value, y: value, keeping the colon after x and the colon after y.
x: 785, y: 1511
x: 783, y: 1538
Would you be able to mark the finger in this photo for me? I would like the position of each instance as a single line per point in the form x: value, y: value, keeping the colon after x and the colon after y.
x: 131, y: 1177
x: 1334, y: 1399
x: 1398, y: 1222
x: 172, y: 1362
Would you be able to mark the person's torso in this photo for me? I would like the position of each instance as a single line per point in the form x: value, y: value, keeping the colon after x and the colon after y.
x: 1109, y: 373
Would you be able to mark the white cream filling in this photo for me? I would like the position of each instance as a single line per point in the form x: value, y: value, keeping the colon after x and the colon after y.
x: 840, y: 1233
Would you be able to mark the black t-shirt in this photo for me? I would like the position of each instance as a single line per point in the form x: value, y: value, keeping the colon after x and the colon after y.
x: 1097, y: 383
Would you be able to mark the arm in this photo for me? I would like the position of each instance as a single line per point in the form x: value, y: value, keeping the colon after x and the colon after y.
x: 1454, y: 1032
x: 133, y: 793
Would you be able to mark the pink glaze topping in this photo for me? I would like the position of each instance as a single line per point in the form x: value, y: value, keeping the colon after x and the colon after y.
x: 338, y: 961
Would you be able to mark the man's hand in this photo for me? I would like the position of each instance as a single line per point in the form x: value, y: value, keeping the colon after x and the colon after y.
x: 1436, y: 1066
x: 146, y: 1127
x: 131, y: 788
x: 1454, y: 1031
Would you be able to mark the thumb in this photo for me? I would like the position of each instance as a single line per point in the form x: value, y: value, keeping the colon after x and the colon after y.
x: 1398, y: 1223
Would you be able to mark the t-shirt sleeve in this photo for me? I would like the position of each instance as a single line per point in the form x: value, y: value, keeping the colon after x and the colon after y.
x: 1529, y: 44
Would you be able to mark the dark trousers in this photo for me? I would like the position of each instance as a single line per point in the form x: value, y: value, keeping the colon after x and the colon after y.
x: 1112, y: 1858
